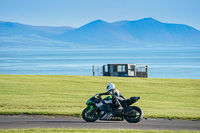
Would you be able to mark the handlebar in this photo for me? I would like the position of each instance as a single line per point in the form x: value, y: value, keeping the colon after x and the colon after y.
x: 99, y: 96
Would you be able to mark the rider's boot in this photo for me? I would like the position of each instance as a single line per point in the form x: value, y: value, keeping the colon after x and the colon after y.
x: 118, y: 107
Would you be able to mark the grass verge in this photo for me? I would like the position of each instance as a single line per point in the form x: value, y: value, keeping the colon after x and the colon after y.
x: 66, y: 95
x: 53, y: 130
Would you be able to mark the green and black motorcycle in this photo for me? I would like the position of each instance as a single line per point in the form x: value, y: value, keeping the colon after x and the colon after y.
x: 104, y: 109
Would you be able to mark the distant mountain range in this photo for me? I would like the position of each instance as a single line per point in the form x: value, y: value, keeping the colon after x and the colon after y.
x: 146, y: 32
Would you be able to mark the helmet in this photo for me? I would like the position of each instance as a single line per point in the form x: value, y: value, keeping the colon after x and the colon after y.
x: 110, y: 86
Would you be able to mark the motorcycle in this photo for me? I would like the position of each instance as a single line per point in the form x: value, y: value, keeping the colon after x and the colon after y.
x: 104, y: 109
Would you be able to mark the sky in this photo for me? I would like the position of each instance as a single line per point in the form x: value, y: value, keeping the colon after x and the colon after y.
x: 76, y: 13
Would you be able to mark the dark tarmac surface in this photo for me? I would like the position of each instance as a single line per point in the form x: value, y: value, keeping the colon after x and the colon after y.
x: 20, y: 121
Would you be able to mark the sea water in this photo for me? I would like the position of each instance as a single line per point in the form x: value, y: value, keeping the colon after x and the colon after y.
x: 162, y: 63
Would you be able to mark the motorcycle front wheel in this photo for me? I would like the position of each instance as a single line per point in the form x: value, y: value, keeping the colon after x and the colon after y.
x: 90, y: 115
x: 136, y: 115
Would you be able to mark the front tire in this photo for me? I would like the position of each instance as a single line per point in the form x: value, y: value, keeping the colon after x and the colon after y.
x: 90, y: 115
x: 135, y: 116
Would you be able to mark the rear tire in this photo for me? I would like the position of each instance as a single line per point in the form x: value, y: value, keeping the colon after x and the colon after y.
x: 90, y: 115
x: 134, y: 117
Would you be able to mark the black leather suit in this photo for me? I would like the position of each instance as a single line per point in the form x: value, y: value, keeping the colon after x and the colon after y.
x: 116, y: 97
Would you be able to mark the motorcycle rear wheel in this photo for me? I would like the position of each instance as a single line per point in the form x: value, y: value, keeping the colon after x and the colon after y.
x: 134, y: 117
x: 90, y: 115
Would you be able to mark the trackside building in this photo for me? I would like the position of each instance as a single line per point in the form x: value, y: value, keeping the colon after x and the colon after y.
x: 121, y: 70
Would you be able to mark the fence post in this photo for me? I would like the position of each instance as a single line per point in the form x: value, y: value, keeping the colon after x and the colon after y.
x: 93, y: 68
x: 147, y: 71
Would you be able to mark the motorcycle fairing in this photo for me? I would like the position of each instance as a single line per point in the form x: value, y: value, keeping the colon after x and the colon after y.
x: 110, y: 116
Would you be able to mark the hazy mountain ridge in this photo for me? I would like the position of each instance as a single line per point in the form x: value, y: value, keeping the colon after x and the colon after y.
x: 20, y: 35
x: 153, y: 31
x: 140, y: 33
x: 146, y: 32
x: 9, y: 28
x: 97, y: 33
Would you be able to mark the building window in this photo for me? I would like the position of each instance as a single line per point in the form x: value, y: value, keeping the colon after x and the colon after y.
x: 132, y: 67
x: 106, y: 68
x: 114, y: 68
x: 121, y: 68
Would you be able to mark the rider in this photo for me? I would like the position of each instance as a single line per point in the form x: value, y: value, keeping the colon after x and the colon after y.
x: 116, y: 95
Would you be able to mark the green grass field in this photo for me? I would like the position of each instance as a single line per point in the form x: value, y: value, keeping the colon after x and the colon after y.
x: 53, y: 130
x: 66, y: 95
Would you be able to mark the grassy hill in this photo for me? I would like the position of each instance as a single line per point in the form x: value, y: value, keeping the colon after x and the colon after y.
x: 66, y: 95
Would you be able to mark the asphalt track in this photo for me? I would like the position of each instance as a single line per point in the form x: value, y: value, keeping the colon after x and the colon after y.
x: 20, y: 121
